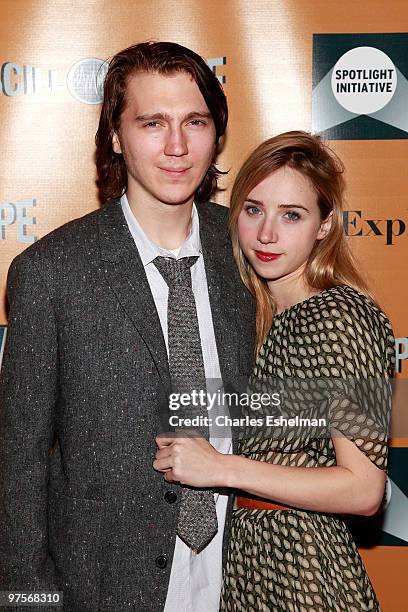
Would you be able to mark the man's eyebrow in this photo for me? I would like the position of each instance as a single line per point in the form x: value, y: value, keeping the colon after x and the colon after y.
x: 166, y: 117
x: 151, y: 117
x: 199, y: 115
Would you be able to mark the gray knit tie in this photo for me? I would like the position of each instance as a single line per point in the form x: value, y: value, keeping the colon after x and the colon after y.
x: 197, y: 523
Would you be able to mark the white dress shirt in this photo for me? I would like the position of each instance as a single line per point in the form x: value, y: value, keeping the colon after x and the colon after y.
x: 195, y: 579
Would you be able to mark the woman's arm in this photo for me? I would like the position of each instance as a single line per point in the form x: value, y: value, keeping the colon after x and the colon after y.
x: 354, y: 486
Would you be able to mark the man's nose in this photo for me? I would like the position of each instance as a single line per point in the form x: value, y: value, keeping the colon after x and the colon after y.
x: 268, y: 232
x: 176, y: 142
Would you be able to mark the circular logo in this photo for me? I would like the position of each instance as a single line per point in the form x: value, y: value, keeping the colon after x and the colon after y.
x: 364, y: 80
x: 85, y: 80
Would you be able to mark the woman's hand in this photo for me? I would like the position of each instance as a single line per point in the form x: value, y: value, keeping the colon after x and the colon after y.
x: 188, y: 459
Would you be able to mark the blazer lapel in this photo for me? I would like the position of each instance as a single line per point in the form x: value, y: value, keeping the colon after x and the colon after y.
x: 127, y: 278
x: 222, y: 288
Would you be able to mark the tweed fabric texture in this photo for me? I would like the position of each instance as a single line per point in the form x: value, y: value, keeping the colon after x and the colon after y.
x: 84, y: 387
x: 197, y: 523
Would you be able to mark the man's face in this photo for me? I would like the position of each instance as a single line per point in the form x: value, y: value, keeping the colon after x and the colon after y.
x: 166, y: 136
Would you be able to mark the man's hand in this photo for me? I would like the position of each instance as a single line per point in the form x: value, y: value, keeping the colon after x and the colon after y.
x: 188, y: 459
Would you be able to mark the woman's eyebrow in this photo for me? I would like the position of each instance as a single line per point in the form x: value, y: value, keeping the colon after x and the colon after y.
x: 256, y: 202
x: 260, y: 203
x: 294, y: 206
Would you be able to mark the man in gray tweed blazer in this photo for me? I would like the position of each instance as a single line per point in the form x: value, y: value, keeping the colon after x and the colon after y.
x: 85, y: 379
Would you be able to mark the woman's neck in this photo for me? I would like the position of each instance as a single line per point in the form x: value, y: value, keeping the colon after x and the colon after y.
x: 290, y: 289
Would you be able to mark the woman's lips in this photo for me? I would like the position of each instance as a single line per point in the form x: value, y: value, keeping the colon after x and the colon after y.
x: 267, y: 256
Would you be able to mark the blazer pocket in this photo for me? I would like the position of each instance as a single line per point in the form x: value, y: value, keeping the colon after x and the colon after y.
x: 74, y: 542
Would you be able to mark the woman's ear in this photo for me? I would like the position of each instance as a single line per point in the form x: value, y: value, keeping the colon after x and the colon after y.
x: 325, y: 227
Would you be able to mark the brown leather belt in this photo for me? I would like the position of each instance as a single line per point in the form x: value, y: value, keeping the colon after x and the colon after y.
x: 250, y: 503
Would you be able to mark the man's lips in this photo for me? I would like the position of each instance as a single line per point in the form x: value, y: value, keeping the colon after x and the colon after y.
x: 175, y: 171
x: 263, y: 256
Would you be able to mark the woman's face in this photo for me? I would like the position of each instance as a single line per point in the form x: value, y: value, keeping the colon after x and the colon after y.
x: 279, y: 224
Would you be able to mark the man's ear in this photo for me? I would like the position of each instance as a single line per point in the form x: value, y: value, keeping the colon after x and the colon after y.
x: 220, y: 144
x: 116, y: 144
x: 325, y: 227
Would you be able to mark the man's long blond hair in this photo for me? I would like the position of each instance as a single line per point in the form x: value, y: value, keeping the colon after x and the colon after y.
x: 331, y: 262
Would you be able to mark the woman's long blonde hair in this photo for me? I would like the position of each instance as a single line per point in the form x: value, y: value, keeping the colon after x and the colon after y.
x: 331, y: 262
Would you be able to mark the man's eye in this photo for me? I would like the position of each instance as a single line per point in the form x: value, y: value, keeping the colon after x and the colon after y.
x: 151, y: 124
x: 197, y: 122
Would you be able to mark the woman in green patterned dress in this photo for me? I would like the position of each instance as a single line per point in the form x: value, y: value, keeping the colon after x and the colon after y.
x: 326, y: 345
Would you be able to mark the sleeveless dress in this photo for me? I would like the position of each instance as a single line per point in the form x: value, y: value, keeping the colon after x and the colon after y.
x: 303, y: 561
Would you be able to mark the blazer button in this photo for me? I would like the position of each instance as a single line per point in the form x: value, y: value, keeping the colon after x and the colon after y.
x: 170, y: 497
x: 161, y: 561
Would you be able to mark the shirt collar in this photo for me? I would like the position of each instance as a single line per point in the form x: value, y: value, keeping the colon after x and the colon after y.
x: 148, y: 250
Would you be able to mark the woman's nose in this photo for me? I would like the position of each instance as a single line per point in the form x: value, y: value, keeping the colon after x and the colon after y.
x: 267, y: 232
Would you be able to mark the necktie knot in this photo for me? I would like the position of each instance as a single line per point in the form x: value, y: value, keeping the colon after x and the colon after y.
x: 175, y: 271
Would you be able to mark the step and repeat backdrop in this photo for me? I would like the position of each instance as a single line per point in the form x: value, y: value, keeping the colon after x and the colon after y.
x: 338, y: 69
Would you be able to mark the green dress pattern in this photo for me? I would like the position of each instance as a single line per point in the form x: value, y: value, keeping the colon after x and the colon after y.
x: 295, y: 560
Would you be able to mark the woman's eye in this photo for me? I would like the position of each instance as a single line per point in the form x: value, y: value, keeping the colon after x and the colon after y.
x: 291, y: 215
x: 252, y: 210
